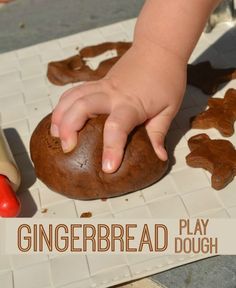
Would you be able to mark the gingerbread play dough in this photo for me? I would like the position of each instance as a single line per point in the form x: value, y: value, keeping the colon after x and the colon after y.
x: 78, y: 174
x: 217, y: 156
x: 221, y: 114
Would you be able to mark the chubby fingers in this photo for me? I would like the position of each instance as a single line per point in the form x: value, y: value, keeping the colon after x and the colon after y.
x: 67, y: 100
x: 79, y: 104
x: 117, y: 127
x: 157, y: 129
x: 74, y: 118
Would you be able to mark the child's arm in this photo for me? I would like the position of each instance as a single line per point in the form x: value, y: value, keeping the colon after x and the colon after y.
x: 146, y: 85
x: 174, y: 25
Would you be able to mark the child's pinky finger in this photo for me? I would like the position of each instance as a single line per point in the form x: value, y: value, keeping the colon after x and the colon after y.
x: 157, y: 129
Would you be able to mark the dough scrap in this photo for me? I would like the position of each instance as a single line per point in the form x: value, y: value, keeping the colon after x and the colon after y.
x: 221, y: 114
x: 216, y: 156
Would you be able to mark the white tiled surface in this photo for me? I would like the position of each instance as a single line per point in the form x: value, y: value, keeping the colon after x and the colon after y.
x: 33, y: 276
x: 78, y: 269
x: 26, y: 96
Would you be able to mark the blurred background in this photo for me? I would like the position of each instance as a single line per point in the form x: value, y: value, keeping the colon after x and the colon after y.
x: 27, y: 22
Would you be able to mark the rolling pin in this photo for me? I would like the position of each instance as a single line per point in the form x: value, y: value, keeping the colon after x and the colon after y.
x: 9, y: 181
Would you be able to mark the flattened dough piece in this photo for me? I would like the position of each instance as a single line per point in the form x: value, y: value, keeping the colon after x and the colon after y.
x: 75, y: 69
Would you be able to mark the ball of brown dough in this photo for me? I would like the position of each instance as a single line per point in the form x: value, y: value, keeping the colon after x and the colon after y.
x: 79, y: 175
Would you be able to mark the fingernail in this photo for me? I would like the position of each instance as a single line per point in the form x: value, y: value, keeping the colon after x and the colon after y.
x: 66, y: 146
x: 163, y: 153
x: 54, y: 130
x: 107, y: 165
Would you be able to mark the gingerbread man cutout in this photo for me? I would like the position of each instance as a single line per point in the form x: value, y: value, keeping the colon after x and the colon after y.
x: 217, y: 156
x: 221, y: 114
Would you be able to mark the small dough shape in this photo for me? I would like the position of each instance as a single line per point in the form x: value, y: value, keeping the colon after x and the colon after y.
x: 216, y: 156
x: 221, y: 114
x: 75, y: 69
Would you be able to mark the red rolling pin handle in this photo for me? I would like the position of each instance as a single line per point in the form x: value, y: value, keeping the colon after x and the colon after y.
x: 9, y: 203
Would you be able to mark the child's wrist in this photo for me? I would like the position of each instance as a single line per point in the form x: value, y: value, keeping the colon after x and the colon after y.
x: 156, y: 52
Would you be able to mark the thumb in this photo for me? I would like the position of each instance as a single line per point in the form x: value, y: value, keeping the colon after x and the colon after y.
x: 157, y: 129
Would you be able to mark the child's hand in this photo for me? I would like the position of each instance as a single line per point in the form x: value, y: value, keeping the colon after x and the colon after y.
x: 146, y: 85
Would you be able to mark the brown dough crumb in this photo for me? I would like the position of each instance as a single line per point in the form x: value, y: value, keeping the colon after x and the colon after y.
x: 45, y: 210
x: 86, y: 215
